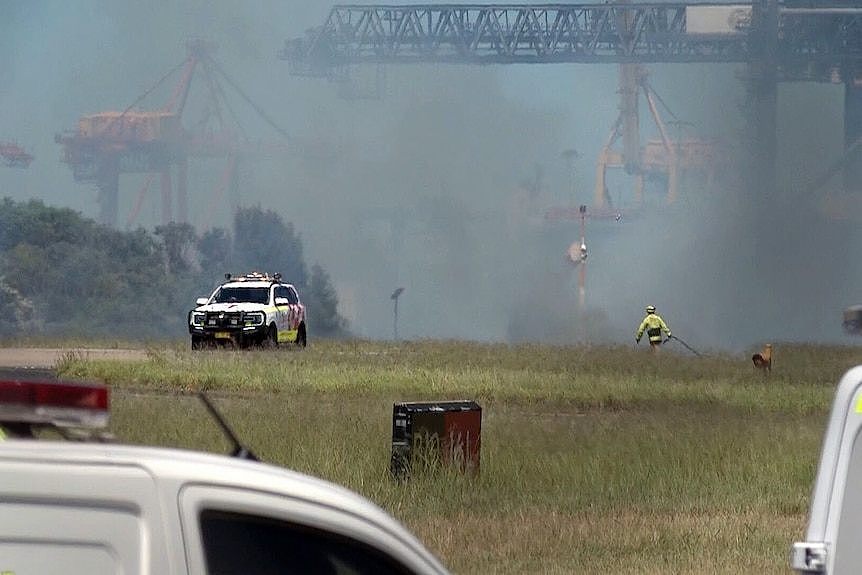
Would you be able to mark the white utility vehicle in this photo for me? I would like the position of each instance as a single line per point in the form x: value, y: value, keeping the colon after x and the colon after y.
x: 254, y: 309
x: 835, y: 516
x: 95, y: 507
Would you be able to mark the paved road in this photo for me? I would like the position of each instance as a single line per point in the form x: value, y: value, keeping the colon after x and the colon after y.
x: 46, y: 358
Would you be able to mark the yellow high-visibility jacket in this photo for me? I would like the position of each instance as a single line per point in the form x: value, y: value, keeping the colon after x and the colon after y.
x: 653, y: 324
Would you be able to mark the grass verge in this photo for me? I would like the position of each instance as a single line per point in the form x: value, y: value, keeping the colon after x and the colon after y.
x: 602, y: 459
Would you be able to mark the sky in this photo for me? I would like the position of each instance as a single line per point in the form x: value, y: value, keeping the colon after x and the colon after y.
x: 427, y: 187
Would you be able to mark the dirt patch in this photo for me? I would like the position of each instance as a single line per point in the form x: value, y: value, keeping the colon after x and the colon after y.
x: 46, y: 358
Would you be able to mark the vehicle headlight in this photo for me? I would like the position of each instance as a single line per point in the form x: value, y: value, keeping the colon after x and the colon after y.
x: 254, y: 318
x: 198, y: 318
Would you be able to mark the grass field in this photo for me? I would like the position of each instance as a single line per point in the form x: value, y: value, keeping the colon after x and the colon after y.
x: 593, y: 459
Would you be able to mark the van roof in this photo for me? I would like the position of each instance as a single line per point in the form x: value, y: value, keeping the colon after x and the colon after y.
x: 182, y: 464
x: 173, y: 465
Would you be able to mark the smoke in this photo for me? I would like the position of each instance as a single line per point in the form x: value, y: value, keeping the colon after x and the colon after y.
x: 440, y: 185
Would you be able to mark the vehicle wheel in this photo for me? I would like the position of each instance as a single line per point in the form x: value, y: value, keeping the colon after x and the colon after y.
x: 301, y: 338
x: 196, y: 343
x: 271, y: 339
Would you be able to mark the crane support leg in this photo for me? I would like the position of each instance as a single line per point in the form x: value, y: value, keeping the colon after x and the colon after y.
x: 167, y: 197
x: 600, y: 193
x: 672, y: 183
x: 108, y: 185
x: 630, y: 76
x: 764, y: 64
x: 852, y: 133
x: 182, y: 190
x: 233, y: 191
x: 765, y: 96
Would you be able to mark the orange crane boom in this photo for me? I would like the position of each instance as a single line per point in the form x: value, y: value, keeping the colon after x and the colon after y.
x: 107, y: 144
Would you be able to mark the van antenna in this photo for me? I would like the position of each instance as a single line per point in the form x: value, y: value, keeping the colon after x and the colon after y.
x: 239, y: 450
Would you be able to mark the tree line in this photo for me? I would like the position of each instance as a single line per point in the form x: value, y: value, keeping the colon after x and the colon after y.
x: 64, y: 275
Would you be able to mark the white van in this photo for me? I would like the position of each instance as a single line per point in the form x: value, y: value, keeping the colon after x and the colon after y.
x: 93, y: 508
x: 835, y: 517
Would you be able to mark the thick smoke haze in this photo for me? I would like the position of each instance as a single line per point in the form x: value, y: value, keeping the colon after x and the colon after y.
x: 440, y: 185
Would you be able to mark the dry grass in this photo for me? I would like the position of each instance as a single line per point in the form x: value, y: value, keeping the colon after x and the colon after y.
x: 623, y: 542
x: 593, y: 460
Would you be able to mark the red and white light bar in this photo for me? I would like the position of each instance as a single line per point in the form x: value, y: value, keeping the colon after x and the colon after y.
x: 59, y: 403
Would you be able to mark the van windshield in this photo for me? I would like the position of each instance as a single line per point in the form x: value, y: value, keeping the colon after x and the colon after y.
x: 242, y: 295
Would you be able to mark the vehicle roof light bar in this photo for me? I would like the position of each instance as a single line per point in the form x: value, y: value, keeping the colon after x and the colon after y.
x: 253, y: 277
x: 57, y: 403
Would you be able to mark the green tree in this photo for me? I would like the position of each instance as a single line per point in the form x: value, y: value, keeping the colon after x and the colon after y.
x: 16, y: 312
x: 179, y: 242
x: 84, y: 278
x: 322, y: 300
x: 36, y: 224
x: 263, y: 242
x: 214, y: 247
x: 68, y: 275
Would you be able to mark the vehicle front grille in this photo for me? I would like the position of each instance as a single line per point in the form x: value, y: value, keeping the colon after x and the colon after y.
x: 223, y: 319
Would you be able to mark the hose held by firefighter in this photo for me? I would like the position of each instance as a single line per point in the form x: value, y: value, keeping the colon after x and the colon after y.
x: 653, y: 324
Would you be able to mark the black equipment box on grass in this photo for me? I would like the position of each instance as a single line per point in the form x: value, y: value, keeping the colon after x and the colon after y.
x: 446, y: 430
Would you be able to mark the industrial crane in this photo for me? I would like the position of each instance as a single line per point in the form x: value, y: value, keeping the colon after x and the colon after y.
x: 666, y: 159
x: 789, y: 40
x: 814, y: 38
x: 108, y: 144
x: 14, y: 156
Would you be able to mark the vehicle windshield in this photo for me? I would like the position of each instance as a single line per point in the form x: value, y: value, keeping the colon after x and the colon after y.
x: 242, y: 294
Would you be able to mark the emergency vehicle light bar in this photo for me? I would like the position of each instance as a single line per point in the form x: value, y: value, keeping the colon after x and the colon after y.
x: 58, y: 403
x: 253, y: 277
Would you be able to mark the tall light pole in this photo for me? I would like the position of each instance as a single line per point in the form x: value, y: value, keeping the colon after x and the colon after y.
x: 577, y: 256
x: 394, y: 297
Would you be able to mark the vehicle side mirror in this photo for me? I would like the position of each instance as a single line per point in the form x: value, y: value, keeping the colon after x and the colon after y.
x: 282, y: 301
x: 202, y: 301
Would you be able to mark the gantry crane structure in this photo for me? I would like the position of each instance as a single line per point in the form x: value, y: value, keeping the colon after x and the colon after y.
x: 14, y: 156
x: 666, y: 158
x: 812, y: 37
x: 156, y: 142
x: 789, y: 40
x: 780, y: 40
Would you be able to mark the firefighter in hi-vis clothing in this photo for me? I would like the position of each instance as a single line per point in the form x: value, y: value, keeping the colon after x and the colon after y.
x: 653, y: 324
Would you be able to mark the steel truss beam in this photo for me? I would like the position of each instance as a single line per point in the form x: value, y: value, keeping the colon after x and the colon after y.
x: 810, y: 39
